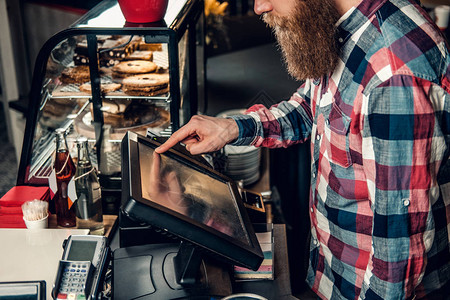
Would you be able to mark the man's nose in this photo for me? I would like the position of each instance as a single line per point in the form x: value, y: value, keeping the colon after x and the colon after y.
x: 262, y: 6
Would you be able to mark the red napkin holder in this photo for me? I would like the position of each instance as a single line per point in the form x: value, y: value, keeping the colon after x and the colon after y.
x: 11, y: 215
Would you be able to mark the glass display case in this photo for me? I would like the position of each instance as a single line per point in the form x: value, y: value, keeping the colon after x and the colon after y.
x: 103, y: 76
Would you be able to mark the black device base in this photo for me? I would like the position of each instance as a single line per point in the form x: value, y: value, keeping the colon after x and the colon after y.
x: 148, y: 272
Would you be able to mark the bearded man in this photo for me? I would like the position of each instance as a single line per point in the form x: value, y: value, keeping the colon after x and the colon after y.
x: 375, y: 104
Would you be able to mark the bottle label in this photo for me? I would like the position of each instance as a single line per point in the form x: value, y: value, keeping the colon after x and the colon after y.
x: 71, y: 190
x: 71, y: 193
x: 52, y: 183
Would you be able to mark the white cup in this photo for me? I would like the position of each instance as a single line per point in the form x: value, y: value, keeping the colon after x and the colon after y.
x: 442, y: 13
x: 37, y: 224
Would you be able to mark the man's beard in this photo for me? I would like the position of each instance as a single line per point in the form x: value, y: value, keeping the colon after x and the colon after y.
x: 307, y: 38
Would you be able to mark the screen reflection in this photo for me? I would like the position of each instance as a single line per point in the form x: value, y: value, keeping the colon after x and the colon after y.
x: 189, y: 192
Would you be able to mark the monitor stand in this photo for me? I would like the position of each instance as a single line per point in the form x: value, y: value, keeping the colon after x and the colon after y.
x: 166, y: 271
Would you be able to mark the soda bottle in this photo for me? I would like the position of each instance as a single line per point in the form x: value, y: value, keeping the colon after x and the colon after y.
x: 89, y: 204
x: 64, y: 171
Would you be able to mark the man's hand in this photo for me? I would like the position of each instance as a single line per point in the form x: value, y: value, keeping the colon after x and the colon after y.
x: 203, y: 134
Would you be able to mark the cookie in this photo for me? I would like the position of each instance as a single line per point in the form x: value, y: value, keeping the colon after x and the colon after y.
x: 104, y: 87
x: 146, y: 80
x: 147, y: 92
x: 134, y: 67
x: 78, y: 74
x: 114, y: 107
x: 146, y: 84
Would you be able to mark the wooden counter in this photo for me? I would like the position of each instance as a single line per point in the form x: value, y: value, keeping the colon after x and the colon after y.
x: 109, y: 221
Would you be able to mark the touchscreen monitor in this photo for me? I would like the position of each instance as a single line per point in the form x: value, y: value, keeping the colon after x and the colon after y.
x: 189, y: 192
x: 176, y: 193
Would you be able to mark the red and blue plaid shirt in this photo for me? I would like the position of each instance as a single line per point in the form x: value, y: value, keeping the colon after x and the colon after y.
x: 380, y: 141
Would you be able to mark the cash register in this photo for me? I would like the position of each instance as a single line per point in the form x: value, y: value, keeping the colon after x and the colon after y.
x: 197, y: 208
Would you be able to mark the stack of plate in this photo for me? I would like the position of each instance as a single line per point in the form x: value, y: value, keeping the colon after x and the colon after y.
x: 242, y: 162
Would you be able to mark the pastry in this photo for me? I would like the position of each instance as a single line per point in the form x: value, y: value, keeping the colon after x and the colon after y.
x: 135, y: 67
x: 118, y: 49
x: 147, y: 92
x: 55, y: 111
x: 127, y: 68
x: 104, y: 87
x: 143, y: 46
x: 78, y: 74
x: 111, y: 49
x: 140, y: 55
x: 146, y: 84
x: 113, y: 111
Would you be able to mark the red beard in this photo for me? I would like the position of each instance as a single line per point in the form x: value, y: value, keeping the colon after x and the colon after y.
x: 307, y: 38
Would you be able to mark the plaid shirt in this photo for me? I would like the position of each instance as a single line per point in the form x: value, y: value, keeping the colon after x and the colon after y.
x: 380, y: 140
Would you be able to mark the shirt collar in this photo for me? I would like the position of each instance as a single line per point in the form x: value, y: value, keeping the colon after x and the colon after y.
x: 351, y: 21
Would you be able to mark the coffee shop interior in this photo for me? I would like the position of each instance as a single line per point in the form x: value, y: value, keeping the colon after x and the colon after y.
x: 232, y: 63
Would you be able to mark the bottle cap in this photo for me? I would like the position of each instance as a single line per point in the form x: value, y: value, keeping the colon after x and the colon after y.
x: 60, y: 130
x: 81, y: 139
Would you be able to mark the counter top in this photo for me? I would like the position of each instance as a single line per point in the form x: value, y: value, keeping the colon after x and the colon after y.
x: 33, y: 254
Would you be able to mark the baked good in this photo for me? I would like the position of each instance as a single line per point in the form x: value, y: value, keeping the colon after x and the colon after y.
x: 77, y: 74
x: 55, y: 111
x: 119, y: 48
x: 79, y: 59
x: 84, y: 60
x: 112, y: 49
x: 146, y: 84
x: 104, y: 87
x: 140, y: 55
x: 134, y: 67
x: 131, y: 67
x: 137, y: 117
x: 143, y: 46
x: 113, y: 111
x: 123, y: 113
x: 148, y: 92
x: 82, y: 47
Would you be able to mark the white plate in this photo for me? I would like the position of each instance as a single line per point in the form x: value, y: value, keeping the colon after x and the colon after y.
x: 231, y: 112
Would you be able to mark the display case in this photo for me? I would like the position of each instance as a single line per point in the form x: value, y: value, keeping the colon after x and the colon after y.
x: 103, y: 76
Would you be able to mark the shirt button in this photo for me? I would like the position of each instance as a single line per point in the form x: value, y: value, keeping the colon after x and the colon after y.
x: 314, y: 175
x: 318, y: 137
x: 406, y: 202
x: 315, y: 242
x: 312, y: 209
x: 327, y: 121
x: 341, y: 40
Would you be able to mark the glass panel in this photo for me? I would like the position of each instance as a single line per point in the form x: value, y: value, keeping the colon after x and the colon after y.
x: 134, y: 91
x: 184, y: 77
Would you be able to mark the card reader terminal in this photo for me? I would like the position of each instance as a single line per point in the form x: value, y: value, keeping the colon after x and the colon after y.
x: 82, y: 268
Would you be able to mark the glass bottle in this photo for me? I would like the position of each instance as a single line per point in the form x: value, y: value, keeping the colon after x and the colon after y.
x: 64, y: 171
x: 107, y: 153
x: 89, y: 204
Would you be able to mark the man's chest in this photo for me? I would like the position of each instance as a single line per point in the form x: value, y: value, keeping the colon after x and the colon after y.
x: 338, y: 123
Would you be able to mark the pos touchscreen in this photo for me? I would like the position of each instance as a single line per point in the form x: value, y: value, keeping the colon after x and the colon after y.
x: 175, y: 193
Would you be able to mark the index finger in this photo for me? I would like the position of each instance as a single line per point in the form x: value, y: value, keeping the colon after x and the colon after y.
x: 175, y: 138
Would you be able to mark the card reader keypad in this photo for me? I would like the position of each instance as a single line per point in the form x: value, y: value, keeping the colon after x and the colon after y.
x: 73, y: 282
